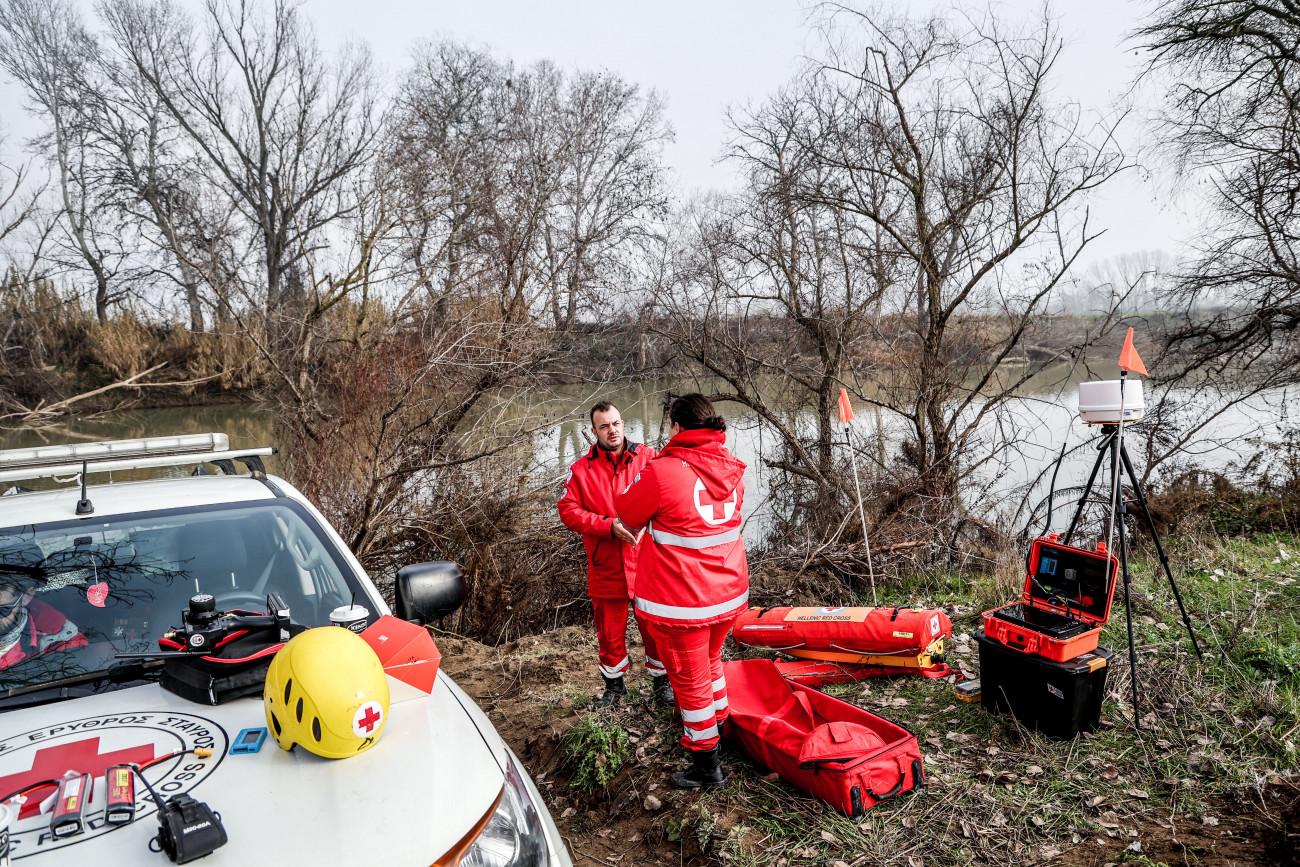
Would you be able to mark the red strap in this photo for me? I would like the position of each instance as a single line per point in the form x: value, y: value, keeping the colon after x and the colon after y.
x: 763, y: 726
x: 802, y: 698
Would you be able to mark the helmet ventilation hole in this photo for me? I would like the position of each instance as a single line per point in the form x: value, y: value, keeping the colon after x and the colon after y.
x: 288, y: 688
x: 299, y: 711
x: 315, y: 728
x: 275, y: 724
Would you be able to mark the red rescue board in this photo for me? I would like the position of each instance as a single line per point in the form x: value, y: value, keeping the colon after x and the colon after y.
x: 883, y: 640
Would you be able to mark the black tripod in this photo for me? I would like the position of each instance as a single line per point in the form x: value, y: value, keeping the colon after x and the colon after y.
x: 1110, y: 442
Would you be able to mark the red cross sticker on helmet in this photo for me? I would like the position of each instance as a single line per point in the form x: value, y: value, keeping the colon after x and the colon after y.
x: 367, y: 719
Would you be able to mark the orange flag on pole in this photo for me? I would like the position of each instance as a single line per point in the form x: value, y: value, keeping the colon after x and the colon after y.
x: 1128, y: 358
x: 846, y: 408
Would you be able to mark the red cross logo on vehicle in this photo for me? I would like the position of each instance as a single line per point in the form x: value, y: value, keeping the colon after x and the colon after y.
x: 81, y: 756
x: 713, y: 512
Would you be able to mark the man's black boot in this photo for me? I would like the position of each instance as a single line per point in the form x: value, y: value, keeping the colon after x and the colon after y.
x: 615, y: 689
x: 705, y: 771
x: 662, y: 689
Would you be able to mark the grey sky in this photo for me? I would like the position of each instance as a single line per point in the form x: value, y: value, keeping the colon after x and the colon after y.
x: 705, y: 56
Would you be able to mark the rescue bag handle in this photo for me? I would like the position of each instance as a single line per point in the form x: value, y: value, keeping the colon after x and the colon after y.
x: 804, y: 703
x: 897, y: 790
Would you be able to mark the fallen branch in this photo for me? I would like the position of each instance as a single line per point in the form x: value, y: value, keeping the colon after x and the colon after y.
x: 42, y: 411
x: 904, y: 546
x: 170, y: 384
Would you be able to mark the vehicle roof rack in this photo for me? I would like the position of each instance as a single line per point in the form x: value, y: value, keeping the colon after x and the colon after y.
x: 135, y: 454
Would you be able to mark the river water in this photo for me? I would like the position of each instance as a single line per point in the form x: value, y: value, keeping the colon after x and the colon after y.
x: 1023, y: 440
x: 1021, y: 443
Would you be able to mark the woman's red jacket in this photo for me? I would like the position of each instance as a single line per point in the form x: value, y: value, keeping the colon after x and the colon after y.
x: 692, y: 570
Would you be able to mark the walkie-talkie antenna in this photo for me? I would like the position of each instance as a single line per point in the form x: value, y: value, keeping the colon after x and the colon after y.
x: 84, y: 506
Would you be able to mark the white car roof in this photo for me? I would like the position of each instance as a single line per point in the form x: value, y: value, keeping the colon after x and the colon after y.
x: 119, y: 498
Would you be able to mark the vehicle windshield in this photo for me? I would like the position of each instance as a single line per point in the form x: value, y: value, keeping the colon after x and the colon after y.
x: 75, y: 593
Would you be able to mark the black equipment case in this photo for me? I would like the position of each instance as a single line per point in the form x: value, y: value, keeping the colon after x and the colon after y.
x: 1059, y: 699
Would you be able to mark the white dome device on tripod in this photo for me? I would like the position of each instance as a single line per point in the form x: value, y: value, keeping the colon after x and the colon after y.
x: 1099, y: 402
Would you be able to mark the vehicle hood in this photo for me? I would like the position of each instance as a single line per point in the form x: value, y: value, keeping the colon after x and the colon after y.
x: 405, y: 801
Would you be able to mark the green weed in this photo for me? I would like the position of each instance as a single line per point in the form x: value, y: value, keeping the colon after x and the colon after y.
x: 596, y: 748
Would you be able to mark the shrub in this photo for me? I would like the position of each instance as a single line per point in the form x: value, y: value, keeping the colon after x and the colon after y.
x: 595, y: 750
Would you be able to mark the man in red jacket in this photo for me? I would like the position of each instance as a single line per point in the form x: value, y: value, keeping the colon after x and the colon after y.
x: 587, y: 507
x: 29, y: 627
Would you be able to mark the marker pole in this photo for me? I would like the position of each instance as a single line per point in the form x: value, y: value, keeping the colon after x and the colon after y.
x: 1114, y: 489
x: 853, y: 461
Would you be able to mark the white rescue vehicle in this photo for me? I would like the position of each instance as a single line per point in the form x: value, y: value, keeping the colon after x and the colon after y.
x: 114, y: 564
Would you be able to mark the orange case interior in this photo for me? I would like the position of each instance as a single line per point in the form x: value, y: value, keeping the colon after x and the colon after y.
x: 1085, y: 609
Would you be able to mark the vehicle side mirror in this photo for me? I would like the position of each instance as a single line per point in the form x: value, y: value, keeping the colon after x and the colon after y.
x: 429, y: 591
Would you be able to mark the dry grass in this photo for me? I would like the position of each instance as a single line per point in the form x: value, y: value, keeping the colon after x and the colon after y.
x: 55, y: 349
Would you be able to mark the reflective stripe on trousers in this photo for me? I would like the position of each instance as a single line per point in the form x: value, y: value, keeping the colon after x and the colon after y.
x: 697, y: 735
x: 611, y: 634
x: 615, y: 670
x: 720, y: 697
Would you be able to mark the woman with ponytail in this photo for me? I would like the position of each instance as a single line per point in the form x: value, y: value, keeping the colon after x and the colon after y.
x: 692, y: 578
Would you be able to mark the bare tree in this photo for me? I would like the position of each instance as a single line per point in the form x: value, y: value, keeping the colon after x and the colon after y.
x: 613, y: 194
x: 1128, y: 284
x: 536, y: 181
x: 944, y: 140
x: 773, y: 293
x: 19, y: 200
x: 412, y: 422
x: 1232, y: 68
x: 48, y: 51
x: 278, y: 127
x: 149, y: 169
x: 914, y: 200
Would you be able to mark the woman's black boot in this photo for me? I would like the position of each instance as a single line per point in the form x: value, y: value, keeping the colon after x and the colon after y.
x: 705, y: 771
x: 662, y: 689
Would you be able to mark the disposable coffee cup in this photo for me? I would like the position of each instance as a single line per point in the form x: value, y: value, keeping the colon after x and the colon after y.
x: 8, y: 815
x: 351, y: 617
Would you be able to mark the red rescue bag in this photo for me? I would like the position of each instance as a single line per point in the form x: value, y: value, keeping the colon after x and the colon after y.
x: 849, y: 758
x: 887, y: 640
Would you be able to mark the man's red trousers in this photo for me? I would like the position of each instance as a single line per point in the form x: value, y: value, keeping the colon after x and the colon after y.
x: 692, y: 656
x: 611, y: 633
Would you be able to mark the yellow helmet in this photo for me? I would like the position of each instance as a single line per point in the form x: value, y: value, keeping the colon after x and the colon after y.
x: 327, y: 691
